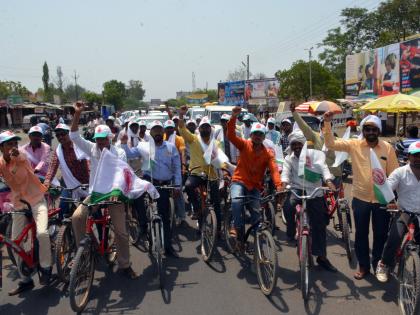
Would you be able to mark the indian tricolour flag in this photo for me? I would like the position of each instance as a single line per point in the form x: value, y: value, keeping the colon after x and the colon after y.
x: 115, y: 178
x: 307, y: 163
x: 381, y: 188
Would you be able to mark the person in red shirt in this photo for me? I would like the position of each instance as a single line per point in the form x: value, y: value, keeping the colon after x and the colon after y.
x: 254, y: 159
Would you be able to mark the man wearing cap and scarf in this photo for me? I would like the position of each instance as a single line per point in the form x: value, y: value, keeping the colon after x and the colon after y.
x: 198, y: 145
x: 248, y: 178
x: 143, y: 135
x: 286, y: 129
x: 103, y: 138
x: 165, y: 170
x: 364, y: 203
x: 37, y: 152
x: 318, y: 213
x: 246, y: 127
x: 405, y: 180
x: 272, y: 134
x: 221, y: 135
x: 73, y: 164
x: 24, y: 184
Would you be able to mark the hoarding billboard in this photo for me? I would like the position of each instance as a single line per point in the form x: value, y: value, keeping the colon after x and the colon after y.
x: 410, y: 65
x: 231, y: 93
x: 261, y: 90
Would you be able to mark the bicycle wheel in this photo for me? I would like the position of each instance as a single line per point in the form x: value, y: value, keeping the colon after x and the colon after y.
x: 65, y: 252
x: 265, y: 259
x: 230, y: 241
x: 172, y: 221
x: 81, y: 277
x: 345, y: 232
x: 8, y: 234
x: 157, y: 254
x: 409, y: 283
x: 111, y: 254
x: 208, y: 234
x: 133, y: 227
x: 269, y: 216
x: 304, y: 266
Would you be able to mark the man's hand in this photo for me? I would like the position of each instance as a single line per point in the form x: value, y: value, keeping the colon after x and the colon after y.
x: 47, y: 184
x: 14, y: 152
x: 236, y: 111
x: 279, y: 189
x: 124, y: 139
x: 328, y: 116
x: 331, y: 185
x: 284, y: 185
x: 182, y: 111
x: 177, y: 192
x: 293, y: 107
x: 79, y: 106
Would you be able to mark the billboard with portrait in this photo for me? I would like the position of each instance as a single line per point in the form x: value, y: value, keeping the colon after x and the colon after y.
x: 387, y: 70
x: 360, y: 73
x: 258, y: 91
x: 231, y: 93
x: 410, y: 65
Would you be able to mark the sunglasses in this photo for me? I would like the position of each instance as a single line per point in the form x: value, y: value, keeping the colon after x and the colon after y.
x: 61, y: 134
x: 370, y: 129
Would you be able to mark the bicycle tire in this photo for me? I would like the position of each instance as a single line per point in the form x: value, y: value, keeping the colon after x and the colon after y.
x: 270, y: 216
x: 158, y: 249
x: 304, y: 266
x: 345, y: 233
x: 8, y: 234
x: 133, y: 227
x: 65, y: 252
x: 230, y: 241
x: 267, y: 279
x: 84, y: 262
x: 412, y: 281
x: 172, y: 212
x: 111, y: 255
x: 208, y: 234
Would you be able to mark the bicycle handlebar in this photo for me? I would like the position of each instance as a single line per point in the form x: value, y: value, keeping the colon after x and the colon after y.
x: 311, y: 196
x: 82, y: 186
x: 168, y: 187
x: 101, y: 203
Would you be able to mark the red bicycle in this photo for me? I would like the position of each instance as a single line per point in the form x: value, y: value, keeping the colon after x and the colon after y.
x: 91, y: 247
x: 29, y: 262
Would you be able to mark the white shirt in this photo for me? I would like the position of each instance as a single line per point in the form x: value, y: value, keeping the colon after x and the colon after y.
x: 291, y: 167
x: 92, y: 150
x: 405, y: 183
x: 246, y: 131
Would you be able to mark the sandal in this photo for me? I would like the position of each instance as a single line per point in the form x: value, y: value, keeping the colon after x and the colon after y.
x: 361, y: 274
x: 233, y: 232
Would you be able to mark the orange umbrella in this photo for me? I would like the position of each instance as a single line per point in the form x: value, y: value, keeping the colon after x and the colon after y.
x: 306, y: 107
x: 326, y: 106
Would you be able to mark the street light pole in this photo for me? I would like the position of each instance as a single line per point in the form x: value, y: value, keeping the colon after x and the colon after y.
x: 310, y: 72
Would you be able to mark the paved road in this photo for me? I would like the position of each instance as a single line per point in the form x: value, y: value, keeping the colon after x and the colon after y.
x: 226, y: 286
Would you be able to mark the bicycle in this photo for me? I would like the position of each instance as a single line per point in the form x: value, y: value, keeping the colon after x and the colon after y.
x: 304, y: 238
x: 90, y: 248
x: 29, y: 262
x: 155, y: 235
x: 341, y: 208
x: 264, y: 251
x: 65, y: 244
x: 408, y: 261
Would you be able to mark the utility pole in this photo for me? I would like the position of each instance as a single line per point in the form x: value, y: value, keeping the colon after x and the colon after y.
x: 310, y: 72
x: 75, y: 85
x: 247, y: 67
x: 193, y: 82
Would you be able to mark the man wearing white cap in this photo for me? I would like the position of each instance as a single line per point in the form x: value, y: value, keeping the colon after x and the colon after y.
x: 365, y: 203
x: 25, y: 185
x: 246, y: 127
x: 286, y: 129
x: 143, y: 135
x: 73, y: 164
x: 103, y: 138
x: 37, y: 152
x: 221, y: 135
x: 253, y: 162
x: 272, y: 134
x: 405, y: 180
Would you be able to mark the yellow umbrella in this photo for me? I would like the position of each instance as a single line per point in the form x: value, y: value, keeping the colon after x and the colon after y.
x: 394, y: 104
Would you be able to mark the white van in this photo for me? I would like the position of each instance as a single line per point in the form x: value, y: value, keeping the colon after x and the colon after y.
x: 214, y: 112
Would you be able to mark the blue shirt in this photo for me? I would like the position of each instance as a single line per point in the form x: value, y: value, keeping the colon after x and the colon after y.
x: 167, y: 163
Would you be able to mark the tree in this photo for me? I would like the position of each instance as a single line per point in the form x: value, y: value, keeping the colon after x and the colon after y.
x: 8, y: 88
x: 59, y: 81
x: 211, y: 94
x: 259, y: 75
x: 114, y: 93
x: 294, y: 82
x: 70, y: 93
x: 238, y: 74
x: 45, y: 81
x: 91, y: 97
x: 135, y: 89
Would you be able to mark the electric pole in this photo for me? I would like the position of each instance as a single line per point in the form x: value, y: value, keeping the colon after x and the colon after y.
x: 247, y: 67
x: 310, y: 72
x: 75, y: 85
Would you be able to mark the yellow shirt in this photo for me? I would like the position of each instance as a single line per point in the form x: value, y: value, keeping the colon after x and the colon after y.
x: 22, y: 181
x: 196, y: 154
x: 359, y: 151
x: 179, y: 143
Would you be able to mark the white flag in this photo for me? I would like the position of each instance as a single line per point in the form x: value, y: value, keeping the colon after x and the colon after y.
x: 115, y: 177
x: 340, y: 157
x: 381, y: 188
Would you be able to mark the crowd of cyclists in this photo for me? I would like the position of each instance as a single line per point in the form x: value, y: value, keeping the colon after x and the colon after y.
x: 183, y: 150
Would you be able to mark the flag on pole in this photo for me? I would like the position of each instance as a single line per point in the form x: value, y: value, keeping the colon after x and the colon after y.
x: 340, y: 157
x: 381, y: 188
x: 115, y: 178
x: 308, y: 163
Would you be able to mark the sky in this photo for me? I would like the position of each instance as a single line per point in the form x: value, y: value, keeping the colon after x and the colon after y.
x: 160, y: 42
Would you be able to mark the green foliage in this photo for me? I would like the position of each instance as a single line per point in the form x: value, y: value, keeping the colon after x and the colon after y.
x: 135, y: 90
x: 45, y: 81
x: 8, y: 88
x: 91, y: 98
x: 72, y: 94
x: 172, y: 102
x: 114, y: 93
x: 131, y: 103
x: 294, y: 82
x: 212, y: 94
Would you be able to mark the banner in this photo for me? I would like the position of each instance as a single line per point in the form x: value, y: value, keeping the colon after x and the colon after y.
x: 258, y: 91
x: 387, y: 66
x: 410, y: 65
x: 231, y: 93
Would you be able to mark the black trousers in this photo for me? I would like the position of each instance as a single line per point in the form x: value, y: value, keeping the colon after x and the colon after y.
x: 318, y: 220
x: 362, y: 212
x: 192, y: 183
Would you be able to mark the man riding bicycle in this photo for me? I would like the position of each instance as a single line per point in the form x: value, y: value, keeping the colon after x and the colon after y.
x: 37, y: 152
x: 318, y: 214
x: 103, y: 137
x: 405, y: 180
x: 24, y: 184
x: 254, y: 159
